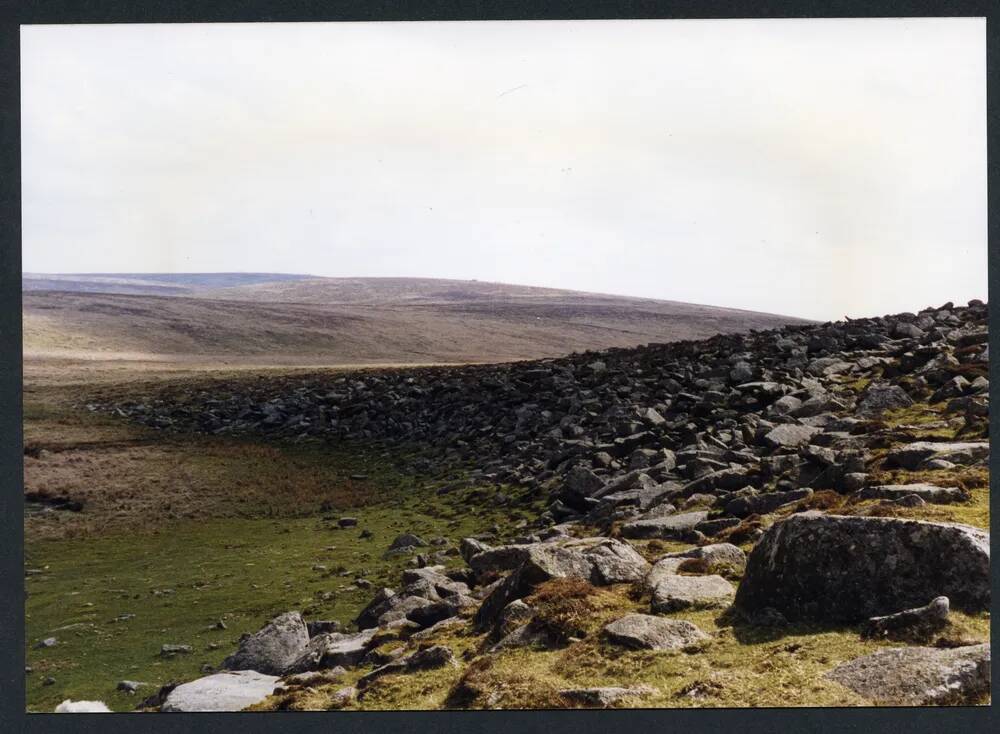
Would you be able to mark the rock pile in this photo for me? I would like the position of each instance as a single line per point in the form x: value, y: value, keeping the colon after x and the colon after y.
x: 717, y: 443
x: 630, y: 433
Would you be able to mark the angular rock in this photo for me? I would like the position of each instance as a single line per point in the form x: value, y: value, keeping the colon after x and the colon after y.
x: 761, y: 504
x: 788, y: 435
x: 879, y: 397
x: 428, y: 658
x: 671, y: 527
x: 273, y: 648
x: 525, y: 635
x: 846, y: 569
x: 407, y: 540
x: 923, y: 619
x: 332, y: 650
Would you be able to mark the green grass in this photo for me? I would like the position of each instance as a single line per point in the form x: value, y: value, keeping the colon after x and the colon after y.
x: 242, y: 571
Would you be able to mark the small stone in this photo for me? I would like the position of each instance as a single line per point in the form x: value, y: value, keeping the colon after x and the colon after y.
x: 129, y: 686
x: 169, y: 651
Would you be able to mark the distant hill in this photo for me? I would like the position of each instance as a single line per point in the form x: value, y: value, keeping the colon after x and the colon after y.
x: 300, y: 319
x: 147, y: 283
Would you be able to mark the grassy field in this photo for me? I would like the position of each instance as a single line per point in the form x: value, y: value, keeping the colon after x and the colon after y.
x: 183, y: 532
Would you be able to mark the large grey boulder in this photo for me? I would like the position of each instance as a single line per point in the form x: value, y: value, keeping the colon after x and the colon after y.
x: 829, y: 567
x: 273, y: 648
x: 880, y: 396
x: 229, y: 691
x: 671, y: 527
x: 580, y: 483
x: 919, y: 676
x: 912, y: 455
x: 646, y: 632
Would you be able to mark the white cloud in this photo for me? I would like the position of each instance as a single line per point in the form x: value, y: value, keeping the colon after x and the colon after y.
x: 815, y: 168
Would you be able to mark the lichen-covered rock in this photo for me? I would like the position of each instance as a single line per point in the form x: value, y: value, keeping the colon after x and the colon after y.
x: 829, y: 567
x: 919, y: 676
x: 646, y: 632
x: 273, y: 648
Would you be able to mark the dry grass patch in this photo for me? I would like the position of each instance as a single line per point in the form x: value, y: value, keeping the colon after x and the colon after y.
x: 488, y: 684
x: 574, y: 608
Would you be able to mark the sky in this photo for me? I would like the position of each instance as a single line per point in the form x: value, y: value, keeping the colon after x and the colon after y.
x: 815, y: 168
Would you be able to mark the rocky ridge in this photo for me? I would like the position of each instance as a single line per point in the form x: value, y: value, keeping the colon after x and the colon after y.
x: 793, y: 462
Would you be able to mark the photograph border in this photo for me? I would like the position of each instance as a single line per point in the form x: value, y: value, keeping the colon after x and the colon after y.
x: 746, y: 721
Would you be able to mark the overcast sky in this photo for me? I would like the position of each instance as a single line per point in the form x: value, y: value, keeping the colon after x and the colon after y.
x: 816, y: 168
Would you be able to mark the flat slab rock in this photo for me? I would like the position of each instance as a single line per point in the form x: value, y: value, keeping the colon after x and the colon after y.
x: 229, y: 691
x: 848, y: 569
x: 673, y: 593
x: 919, y: 676
x: 926, y: 492
x: 671, y: 526
x: 788, y: 435
x: 911, y: 456
x: 646, y: 632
